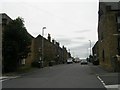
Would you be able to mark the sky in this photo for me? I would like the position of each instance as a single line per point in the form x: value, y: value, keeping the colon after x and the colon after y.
x: 70, y: 22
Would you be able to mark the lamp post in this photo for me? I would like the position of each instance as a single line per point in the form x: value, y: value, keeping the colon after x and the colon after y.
x: 90, y: 52
x: 42, y: 46
x: 90, y: 47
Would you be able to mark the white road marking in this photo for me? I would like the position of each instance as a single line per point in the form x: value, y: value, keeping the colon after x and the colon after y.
x: 101, y: 80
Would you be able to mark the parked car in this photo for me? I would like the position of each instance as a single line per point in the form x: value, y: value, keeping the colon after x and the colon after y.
x: 76, y: 60
x: 95, y: 61
x: 84, y: 62
x: 69, y: 60
x: 37, y: 64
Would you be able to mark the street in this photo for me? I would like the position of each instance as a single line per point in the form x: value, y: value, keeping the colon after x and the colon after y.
x: 59, y: 76
x: 60, y: 45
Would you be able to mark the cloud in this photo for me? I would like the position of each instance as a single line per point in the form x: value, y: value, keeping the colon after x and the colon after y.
x: 72, y: 42
x: 82, y: 47
x: 64, y: 41
x: 80, y: 38
x: 82, y: 31
x: 81, y: 50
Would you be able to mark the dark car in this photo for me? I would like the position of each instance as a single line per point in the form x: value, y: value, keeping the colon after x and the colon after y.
x: 37, y: 63
x: 84, y: 62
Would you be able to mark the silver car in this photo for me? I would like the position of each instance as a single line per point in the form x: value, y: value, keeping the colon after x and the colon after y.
x: 84, y: 62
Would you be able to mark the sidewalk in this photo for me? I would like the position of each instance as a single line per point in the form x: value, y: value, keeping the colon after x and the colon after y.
x: 97, y: 69
x: 13, y: 75
x: 109, y: 79
x: 3, y: 78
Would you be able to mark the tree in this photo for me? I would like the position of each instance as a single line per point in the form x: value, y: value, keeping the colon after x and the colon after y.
x: 15, y: 44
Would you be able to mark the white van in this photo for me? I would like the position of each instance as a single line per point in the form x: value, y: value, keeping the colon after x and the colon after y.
x: 69, y: 60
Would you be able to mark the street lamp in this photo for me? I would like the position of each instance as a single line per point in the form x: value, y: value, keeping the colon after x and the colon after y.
x: 42, y: 46
x: 90, y: 47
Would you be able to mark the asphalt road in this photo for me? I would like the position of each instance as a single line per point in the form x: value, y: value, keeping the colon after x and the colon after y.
x: 59, y: 76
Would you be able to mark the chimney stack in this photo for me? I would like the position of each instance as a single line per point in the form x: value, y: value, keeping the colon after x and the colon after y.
x: 53, y: 41
x: 49, y: 37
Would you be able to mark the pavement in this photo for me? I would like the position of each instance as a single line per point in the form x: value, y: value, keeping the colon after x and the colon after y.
x: 13, y: 75
x: 109, y: 79
x: 3, y: 78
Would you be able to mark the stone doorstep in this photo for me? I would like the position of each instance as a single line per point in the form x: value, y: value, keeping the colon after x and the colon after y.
x: 8, y: 77
x: 113, y: 86
x: 3, y: 77
x: 110, y: 74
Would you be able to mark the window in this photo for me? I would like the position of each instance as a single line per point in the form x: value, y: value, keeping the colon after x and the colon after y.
x: 119, y: 46
x: 4, y: 21
x: 118, y: 23
x: 23, y: 61
x: 103, y: 55
x: 100, y: 12
x: 119, y: 27
x: 118, y: 19
x: 108, y: 8
x: 101, y: 36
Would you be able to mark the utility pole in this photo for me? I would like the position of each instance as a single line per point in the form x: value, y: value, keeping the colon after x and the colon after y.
x: 90, y: 47
x: 42, y: 62
x: 90, y: 52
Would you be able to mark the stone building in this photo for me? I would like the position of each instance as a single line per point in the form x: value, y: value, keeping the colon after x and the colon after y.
x: 0, y: 45
x: 43, y: 51
x: 108, y: 34
x: 4, y: 20
x: 65, y: 55
x: 52, y: 52
x: 95, y: 51
x: 29, y: 59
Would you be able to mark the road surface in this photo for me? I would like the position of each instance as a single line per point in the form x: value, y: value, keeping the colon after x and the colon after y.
x: 59, y: 76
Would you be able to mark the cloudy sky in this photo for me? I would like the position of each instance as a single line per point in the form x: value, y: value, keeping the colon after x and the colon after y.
x: 70, y: 22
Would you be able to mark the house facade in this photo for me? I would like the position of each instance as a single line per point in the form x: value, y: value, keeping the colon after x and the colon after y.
x: 108, y: 35
x: 52, y: 52
x: 4, y: 20
x: 41, y: 49
x: 26, y: 62
x: 95, y: 52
